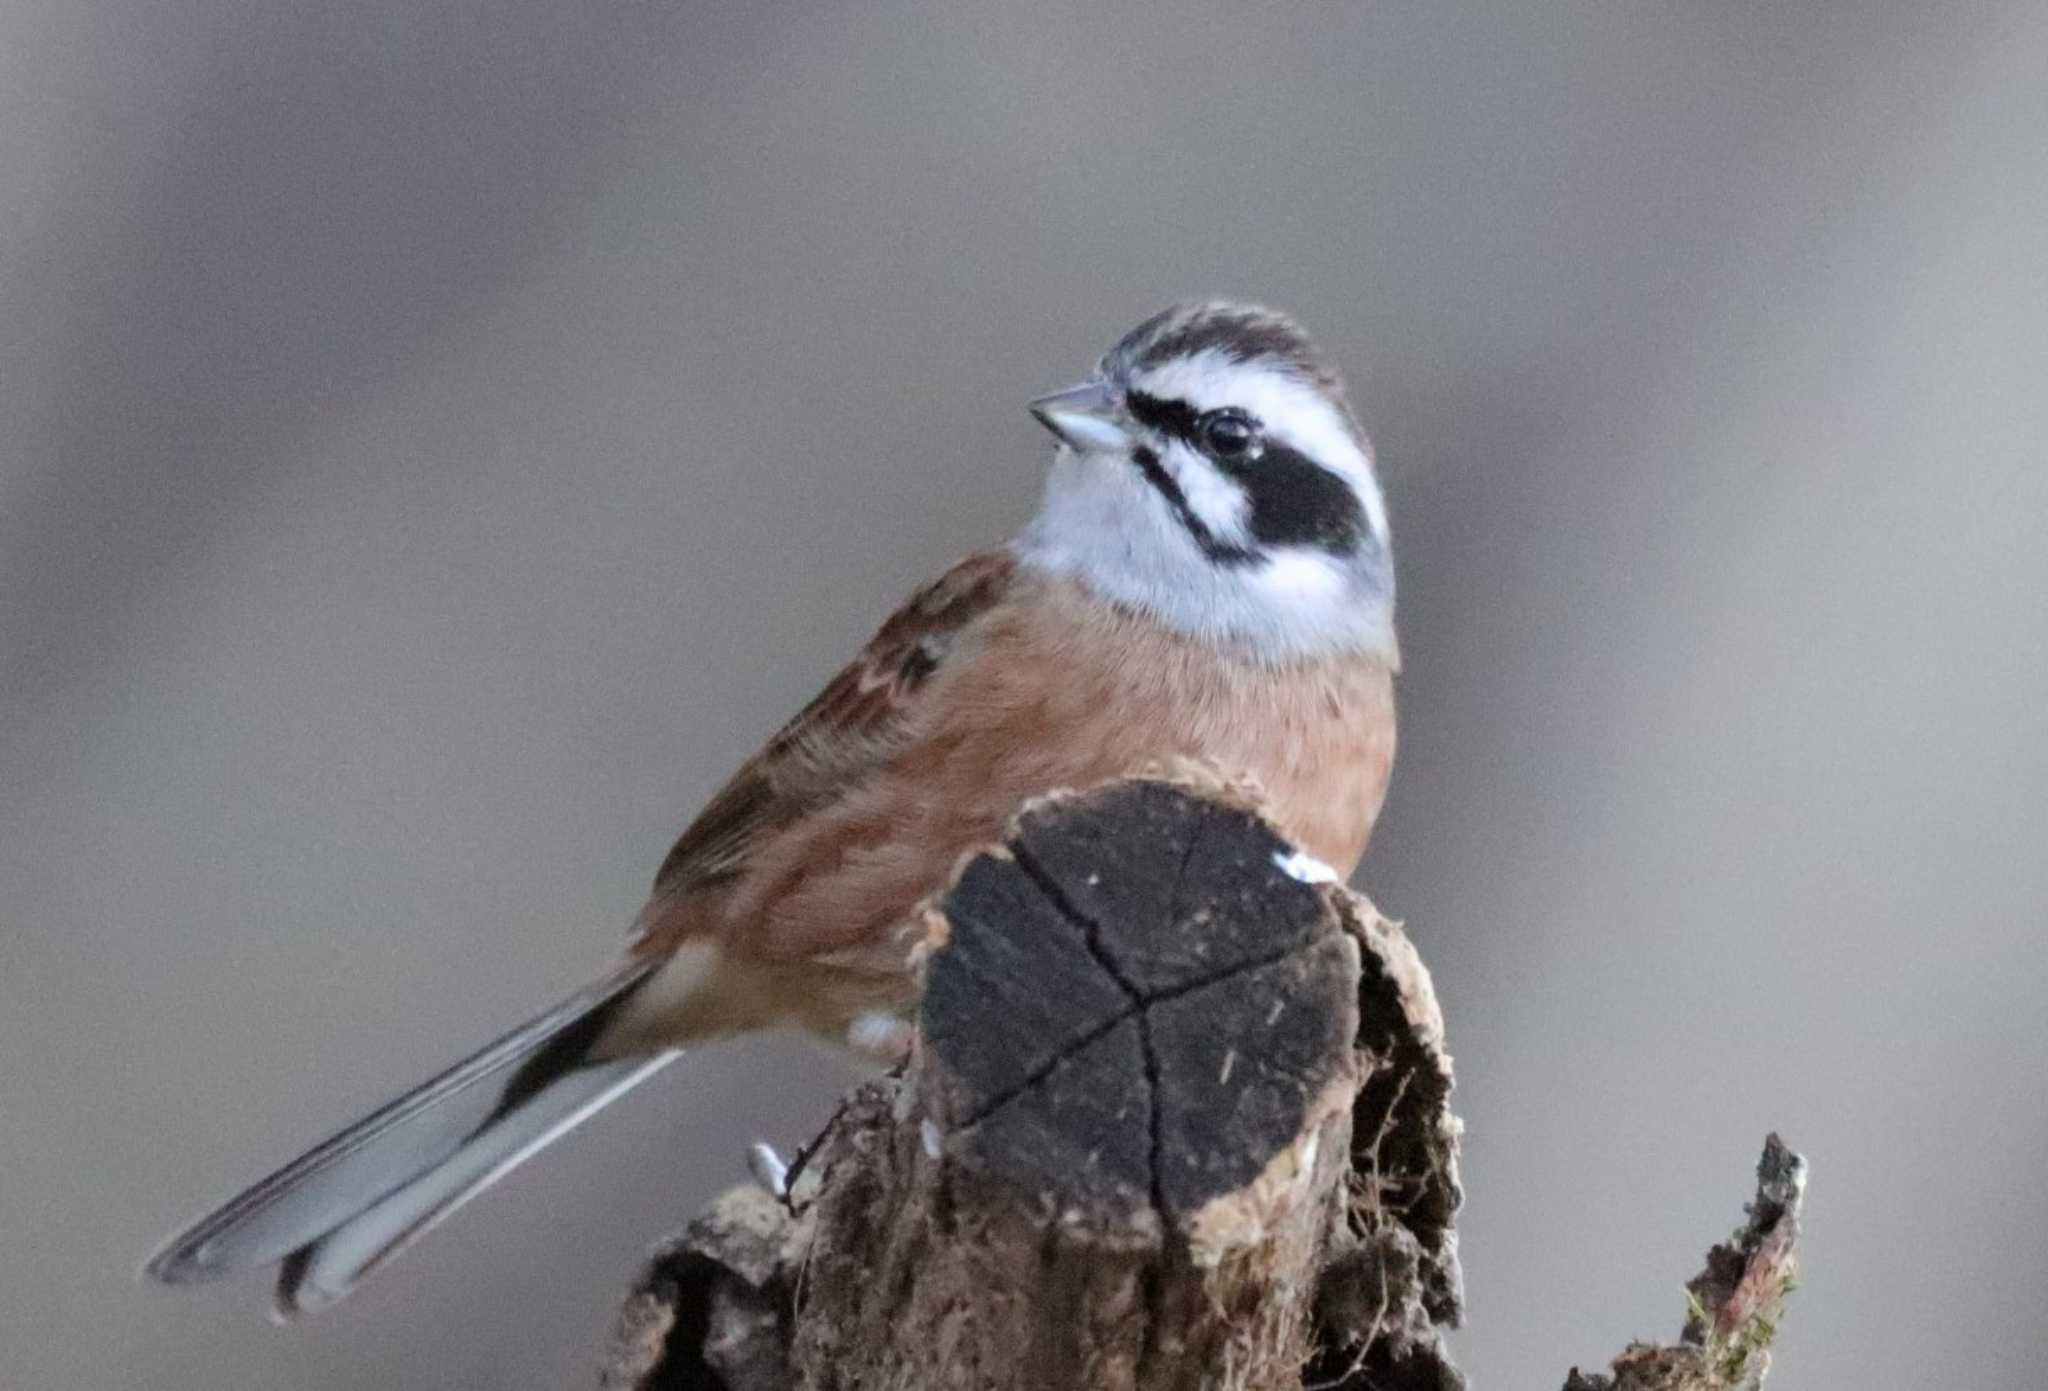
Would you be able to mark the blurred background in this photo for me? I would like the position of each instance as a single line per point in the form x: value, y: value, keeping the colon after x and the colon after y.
x: 440, y: 438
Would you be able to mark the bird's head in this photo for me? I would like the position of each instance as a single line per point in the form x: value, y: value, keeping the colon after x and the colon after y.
x: 1211, y: 474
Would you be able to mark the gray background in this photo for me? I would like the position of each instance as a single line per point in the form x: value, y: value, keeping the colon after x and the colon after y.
x: 441, y: 437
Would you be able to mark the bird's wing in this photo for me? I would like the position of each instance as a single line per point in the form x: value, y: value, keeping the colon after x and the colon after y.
x: 345, y: 1207
x: 855, y: 721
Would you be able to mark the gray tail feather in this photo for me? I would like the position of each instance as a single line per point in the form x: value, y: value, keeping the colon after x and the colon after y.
x: 324, y: 1270
x: 349, y: 1204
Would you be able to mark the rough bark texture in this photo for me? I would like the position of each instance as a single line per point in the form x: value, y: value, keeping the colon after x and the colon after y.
x: 1177, y: 1116
x: 1733, y: 1304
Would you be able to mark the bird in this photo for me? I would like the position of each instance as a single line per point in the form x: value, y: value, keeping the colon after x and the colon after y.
x: 1208, y: 577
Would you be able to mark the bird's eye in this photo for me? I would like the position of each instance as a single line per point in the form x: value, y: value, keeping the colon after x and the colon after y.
x: 1228, y: 434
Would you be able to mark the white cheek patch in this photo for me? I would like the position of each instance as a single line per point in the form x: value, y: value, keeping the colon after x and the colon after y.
x: 1302, y: 576
x: 1291, y: 410
x: 1219, y: 503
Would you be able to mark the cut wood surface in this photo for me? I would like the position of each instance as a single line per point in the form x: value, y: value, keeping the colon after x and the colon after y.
x: 1177, y: 1115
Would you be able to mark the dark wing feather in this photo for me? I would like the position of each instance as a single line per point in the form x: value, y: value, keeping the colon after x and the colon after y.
x: 844, y: 729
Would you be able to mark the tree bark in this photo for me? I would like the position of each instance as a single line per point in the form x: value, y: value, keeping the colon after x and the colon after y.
x: 1177, y: 1115
x: 1734, y: 1303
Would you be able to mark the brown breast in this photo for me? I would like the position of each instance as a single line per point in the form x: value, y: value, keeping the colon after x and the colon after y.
x: 1050, y: 689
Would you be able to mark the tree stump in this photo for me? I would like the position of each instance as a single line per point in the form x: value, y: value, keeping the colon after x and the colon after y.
x: 1177, y: 1115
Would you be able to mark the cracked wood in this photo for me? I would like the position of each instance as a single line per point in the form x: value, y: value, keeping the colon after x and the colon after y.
x: 1174, y: 1118
x: 1118, y: 1154
x: 1135, y: 997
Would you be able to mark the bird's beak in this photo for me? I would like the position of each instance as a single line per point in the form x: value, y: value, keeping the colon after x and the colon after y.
x: 1090, y: 417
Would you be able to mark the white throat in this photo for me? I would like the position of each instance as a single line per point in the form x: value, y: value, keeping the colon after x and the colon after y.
x: 1102, y: 524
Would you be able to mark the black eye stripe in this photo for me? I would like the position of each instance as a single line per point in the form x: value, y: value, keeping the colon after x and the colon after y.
x: 1297, y: 502
x: 1294, y: 500
x: 1175, y: 418
x: 1179, y: 420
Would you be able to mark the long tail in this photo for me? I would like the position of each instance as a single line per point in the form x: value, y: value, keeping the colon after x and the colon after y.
x: 348, y: 1205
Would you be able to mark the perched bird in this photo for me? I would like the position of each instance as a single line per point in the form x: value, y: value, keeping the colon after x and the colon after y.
x: 1208, y: 577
